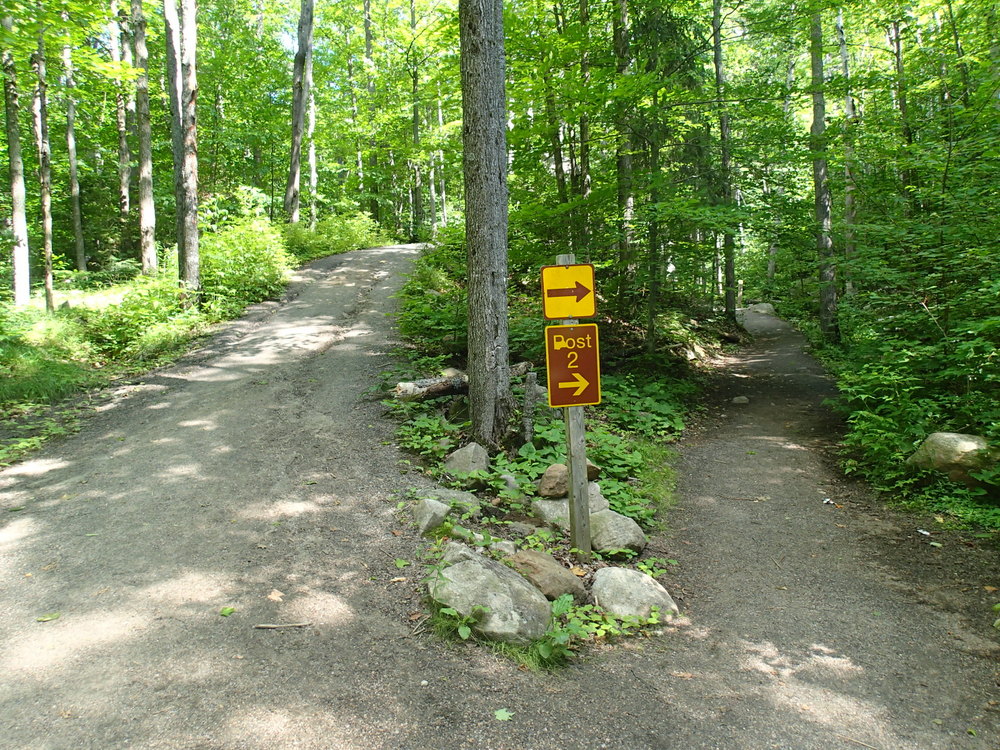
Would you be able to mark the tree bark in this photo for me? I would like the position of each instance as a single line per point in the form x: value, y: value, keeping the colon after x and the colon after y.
x: 725, y: 176
x: 182, y: 72
x: 301, y: 83
x: 147, y: 209
x: 372, y: 184
x: 313, y: 164
x: 850, y: 115
x: 585, y: 179
x: 417, y: 211
x: 19, y: 221
x: 485, y: 171
x: 76, y: 213
x: 824, y: 240
x: 115, y: 32
x: 623, y: 156
x: 40, y: 117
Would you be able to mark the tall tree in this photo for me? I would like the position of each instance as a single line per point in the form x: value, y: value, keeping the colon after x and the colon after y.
x: 484, y: 143
x: 182, y: 76
x: 850, y: 116
x: 147, y: 209
x: 821, y: 186
x: 80, y: 254
x: 116, y: 31
x: 19, y: 221
x: 725, y: 167
x: 40, y: 117
x: 301, y: 87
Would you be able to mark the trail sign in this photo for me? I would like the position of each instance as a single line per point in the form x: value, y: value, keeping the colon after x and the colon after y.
x: 568, y: 291
x: 572, y: 361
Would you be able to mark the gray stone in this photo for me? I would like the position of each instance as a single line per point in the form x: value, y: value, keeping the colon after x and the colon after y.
x: 504, y: 547
x: 516, y: 528
x: 954, y: 454
x: 593, y: 471
x: 510, y: 482
x: 514, y: 610
x: 462, y: 503
x: 554, y: 482
x: 548, y: 575
x: 610, y: 531
x: 625, y: 592
x: 741, y: 400
x: 429, y: 514
x: 762, y: 308
x: 466, y: 460
x: 556, y: 512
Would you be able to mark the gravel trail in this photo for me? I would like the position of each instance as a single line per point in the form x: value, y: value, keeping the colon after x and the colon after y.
x: 258, y: 474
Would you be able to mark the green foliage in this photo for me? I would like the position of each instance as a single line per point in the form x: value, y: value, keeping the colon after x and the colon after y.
x: 243, y: 263
x: 428, y: 435
x: 333, y: 235
x: 575, y: 625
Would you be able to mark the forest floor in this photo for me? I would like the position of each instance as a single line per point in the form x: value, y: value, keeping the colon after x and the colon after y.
x: 259, y: 474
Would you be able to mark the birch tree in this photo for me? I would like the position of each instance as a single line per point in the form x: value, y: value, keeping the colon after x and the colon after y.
x: 301, y: 86
x: 19, y: 220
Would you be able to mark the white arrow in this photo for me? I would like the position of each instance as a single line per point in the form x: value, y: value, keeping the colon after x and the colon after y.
x: 580, y: 384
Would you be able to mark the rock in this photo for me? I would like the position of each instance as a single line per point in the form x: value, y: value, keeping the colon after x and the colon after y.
x: 611, y: 531
x: 515, y: 611
x: 954, y: 454
x: 556, y: 512
x: 741, y: 400
x: 516, y: 528
x: 504, y: 547
x: 510, y: 482
x: 593, y: 471
x: 429, y: 514
x: 464, y: 504
x: 625, y: 592
x: 762, y: 308
x: 548, y: 575
x: 466, y: 460
x: 555, y: 481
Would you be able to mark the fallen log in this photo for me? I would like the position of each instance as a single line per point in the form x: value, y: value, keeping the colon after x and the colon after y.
x: 431, y: 388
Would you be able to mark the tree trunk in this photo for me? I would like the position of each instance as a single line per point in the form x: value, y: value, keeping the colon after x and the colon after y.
x: 653, y: 268
x: 850, y: 114
x: 417, y: 211
x: 372, y: 186
x: 80, y: 251
x: 725, y: 176
x: 40, y: 117
x: 896, y: 43
x: 824, y: 241
x: 115, y: 32
x: 301, y: 83
x: 623, y: 157
x: 173, y: 64
x: 19, y: 221
x: 585, y: 179
x: 313, y: 165
x: 147, y: 210
x: 485, y: 170
x: 182, y: 72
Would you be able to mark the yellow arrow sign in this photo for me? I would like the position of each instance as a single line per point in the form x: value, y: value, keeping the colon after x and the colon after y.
x: 581, y: 384
x: 568, y: 291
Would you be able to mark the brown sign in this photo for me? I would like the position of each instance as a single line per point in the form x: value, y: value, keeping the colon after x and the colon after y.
x: 573, y: 364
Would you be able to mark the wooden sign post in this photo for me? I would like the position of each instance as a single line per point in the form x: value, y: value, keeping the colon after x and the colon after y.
x: 574, y: 380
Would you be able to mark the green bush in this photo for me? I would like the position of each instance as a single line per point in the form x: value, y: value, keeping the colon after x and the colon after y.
x: 333, y: 235
x: 245, y: 262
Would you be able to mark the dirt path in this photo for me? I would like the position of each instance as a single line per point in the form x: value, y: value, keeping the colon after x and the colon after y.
x: 257, y: 475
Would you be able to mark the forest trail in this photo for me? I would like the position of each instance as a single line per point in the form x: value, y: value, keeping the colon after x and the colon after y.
x: 258, y: 474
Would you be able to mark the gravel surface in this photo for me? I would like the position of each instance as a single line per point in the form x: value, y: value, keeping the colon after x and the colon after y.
x: 258, y: 474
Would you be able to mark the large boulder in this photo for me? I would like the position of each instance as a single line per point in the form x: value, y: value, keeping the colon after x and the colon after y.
x: 762, y: 308
x: 954, y: 454
x: 625, y: 592
x: 611, y: 531
x: 547, y: 574
x: 556, y: 512
x: 506, y: 606
x: 466, y: 460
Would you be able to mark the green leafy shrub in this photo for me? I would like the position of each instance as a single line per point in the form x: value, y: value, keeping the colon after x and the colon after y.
x: 333, y: 235
x: 245, y: 262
